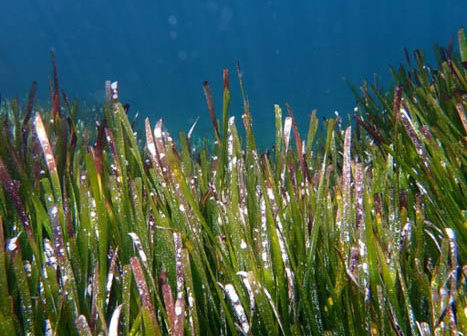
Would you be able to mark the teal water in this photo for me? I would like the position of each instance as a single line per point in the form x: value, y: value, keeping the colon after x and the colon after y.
x: 161, y: 51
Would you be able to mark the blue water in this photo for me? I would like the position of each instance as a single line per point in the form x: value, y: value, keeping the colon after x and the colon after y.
x: 160, y: 51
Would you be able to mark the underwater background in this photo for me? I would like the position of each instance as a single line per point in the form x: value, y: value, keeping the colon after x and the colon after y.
x: 160, y: 51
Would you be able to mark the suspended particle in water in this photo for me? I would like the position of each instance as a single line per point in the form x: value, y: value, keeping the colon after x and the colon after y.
x: 172, y: 20
x: 182, y: 55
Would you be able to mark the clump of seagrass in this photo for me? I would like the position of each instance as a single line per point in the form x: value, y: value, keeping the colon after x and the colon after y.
x: 359, y: 230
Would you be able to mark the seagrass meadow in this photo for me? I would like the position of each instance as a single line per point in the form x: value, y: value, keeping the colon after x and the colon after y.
x: 356, y: 228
